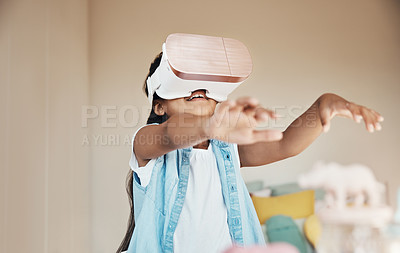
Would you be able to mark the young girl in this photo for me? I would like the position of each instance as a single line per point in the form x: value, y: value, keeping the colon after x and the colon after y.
x: 185, y: 188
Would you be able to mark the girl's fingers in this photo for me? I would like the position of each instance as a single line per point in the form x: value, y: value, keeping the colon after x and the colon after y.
x: 246, y: 105
x: 368, y: 119
x: 371, y: 117
x: 378, y: 126
x: 262, y: 114
x: 223, y: 107
x: 247, y: 102
x: 222, y: 112
x: 378, y: 116
x: 376, y: 119
x: 250, y: 106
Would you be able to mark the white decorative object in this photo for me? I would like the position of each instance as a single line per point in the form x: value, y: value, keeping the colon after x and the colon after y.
x: 354, y: 181
x: 353, y: 195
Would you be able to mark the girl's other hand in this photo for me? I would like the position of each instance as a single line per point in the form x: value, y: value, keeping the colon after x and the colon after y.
x: 235, y: 122
x: 331, y: 105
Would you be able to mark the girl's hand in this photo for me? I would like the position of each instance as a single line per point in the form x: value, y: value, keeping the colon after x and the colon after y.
x: 331, y: 105
x: 235, y: 122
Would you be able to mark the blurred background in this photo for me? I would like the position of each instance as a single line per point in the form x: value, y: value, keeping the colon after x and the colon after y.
x: 71, y: 75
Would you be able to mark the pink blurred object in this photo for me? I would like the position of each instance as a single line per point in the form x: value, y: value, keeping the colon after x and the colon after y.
x: 270, y: 248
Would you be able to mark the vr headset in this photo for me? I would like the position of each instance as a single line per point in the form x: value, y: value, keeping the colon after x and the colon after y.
x: 192, y: 62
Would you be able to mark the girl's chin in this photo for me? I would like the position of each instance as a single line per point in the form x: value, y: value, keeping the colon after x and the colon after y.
x: 199, y: 113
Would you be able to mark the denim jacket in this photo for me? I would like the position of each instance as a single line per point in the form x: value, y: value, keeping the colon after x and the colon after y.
x: 157, y: 206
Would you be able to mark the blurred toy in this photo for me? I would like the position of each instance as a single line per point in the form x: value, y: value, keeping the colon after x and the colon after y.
x: 354, y: 212
x: 355, y: 181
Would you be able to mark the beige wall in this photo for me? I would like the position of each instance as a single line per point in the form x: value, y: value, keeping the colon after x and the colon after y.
x: 62, y: 184
x: 44, y: 180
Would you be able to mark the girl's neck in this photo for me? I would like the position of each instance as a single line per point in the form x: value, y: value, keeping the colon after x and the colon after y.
x: 202, y: 145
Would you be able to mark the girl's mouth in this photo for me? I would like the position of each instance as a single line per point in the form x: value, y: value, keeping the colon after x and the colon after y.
x: 197, y: 95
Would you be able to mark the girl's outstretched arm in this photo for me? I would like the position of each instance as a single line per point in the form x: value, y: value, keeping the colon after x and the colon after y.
x: 232, y: 121
x: 179, y: 131
x: 306, y: 128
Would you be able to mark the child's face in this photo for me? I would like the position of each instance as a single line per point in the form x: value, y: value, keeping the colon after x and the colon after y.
x: 197, y: 104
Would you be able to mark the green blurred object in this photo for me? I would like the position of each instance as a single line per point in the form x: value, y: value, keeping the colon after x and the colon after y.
x: 282, y: 189
x: 281, y: 228
x: 254, y: 186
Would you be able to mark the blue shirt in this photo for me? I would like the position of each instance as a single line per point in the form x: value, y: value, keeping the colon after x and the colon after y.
x: 157, y: 206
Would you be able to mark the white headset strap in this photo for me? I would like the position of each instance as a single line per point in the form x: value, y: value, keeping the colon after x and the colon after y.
x: 153, y: 81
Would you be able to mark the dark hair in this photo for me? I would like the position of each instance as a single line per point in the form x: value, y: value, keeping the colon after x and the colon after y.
x: 153, y: 118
